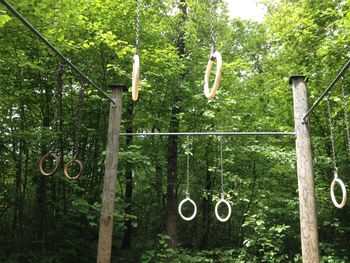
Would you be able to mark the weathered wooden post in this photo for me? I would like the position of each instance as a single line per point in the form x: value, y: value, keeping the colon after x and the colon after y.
x: 308, y: 220
x: 111, y: 165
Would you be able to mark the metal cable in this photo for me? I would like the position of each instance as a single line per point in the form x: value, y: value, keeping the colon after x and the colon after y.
x: 325, y: 93
x: 144, y: 134
x: 346, y: 119
x: 331, y: 133
x: 57, y: 100
x: 78, y: 119
x: 188, y: 167
x: 55, y: 50
x: 221, y: 167
x: 138, y: 27
x: 213, y: 43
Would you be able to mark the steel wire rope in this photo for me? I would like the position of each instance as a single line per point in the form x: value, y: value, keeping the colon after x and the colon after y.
x: 136, y: 58
x: 336, y: 178
x: 214, y: 56
x: 222, y: 198
x: 78, y: 115
x: 55, y: 127
x: 187, y: 198
x: 55, y: 50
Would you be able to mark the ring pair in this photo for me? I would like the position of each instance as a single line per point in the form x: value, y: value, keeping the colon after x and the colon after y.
x: 222, y: 200
x: 52, y: 156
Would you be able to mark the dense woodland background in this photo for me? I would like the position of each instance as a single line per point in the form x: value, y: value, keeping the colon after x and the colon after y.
x: 52, y: 219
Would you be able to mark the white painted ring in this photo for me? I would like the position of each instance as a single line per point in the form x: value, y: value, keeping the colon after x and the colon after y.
x: 135, y: 77
x: 222, y: 200
x: 187, y: 199
x: 343, y: 189
x: 214, y: 56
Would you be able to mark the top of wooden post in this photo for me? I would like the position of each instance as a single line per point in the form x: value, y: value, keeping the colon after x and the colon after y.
x: 295, y: 76
x: 117, y: 86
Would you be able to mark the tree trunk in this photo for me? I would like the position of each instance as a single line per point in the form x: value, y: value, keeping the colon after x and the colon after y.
x: 207, y: 205
x: 171, y: 209
x: 128, y: 176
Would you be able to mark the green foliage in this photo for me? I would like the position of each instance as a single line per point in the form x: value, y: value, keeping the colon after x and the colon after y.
x: 56, y: 220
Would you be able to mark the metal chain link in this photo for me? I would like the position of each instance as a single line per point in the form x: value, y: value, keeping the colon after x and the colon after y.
x: 57, y: 101
x: 138, y: 27
x: 212, y: 26
x: 331, y: 133
x: 221, y: 167
x: 346, y: 119
x: 78, y: 118
x: 188, y: 167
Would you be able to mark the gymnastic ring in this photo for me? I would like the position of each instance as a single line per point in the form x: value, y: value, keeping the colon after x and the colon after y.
x: 135, y: 77
x: 222, y: 200
x: 46, y: 157
x: 343, y: 189
x: 69, y: 164
x: 187, y: 199
x: 216, y: 56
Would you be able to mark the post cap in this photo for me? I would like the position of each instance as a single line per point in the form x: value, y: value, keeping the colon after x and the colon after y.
x: 294, y: 76
x: 117, y: 86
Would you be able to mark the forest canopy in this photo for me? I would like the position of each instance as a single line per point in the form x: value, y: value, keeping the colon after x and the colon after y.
x: 54, y: 219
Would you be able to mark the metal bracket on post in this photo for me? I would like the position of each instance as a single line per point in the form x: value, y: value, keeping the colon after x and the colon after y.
x: 304, y: 120
x: 117, y: 86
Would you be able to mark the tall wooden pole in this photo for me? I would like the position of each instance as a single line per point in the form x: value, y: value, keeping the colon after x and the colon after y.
x: 111, y: 165
x: 308, y: 220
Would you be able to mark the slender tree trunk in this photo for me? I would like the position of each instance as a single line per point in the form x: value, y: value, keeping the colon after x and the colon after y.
x: 42, y: 184
x: 128, y: 174
x: 251, y: 200
x: 171, y: 209
x: 207, y: 205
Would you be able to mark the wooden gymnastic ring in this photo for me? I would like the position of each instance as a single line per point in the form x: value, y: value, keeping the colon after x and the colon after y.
x: 135, y: 77
x: 69, y: 164
x: 222, y: 200
x: 46, y: 157
x: 343, y: 189
x: 187, y: 199
x: 216, y: 56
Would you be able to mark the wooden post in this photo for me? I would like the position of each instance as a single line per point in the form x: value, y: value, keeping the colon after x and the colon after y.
x: 111, y: 165
x: 308, y: 220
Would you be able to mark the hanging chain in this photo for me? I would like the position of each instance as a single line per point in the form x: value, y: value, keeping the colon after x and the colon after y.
x: 212, y: 26
x: 138, y: 27
x: 346, y: 119
x: 188, y: 167
x: 78, y: 118
x: 331, y: 132
x: 57, y: 101
x: 221, y: 168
